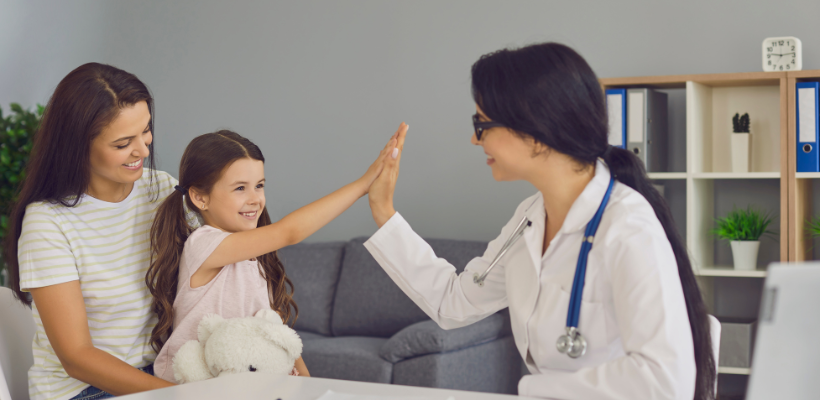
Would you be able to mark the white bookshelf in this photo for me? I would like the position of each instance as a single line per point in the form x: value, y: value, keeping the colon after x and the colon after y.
x: 706, y: 188
x: 804, y: 187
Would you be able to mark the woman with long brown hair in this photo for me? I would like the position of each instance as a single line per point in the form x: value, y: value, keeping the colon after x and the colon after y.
x: 78, y: 239
x: 229, y: 266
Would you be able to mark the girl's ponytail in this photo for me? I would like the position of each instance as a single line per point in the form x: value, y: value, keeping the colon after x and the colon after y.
x: 169, y: 232
x: 280, y: 288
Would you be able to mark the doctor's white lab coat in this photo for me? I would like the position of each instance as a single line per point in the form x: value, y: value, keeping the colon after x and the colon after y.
x: 633, y: 313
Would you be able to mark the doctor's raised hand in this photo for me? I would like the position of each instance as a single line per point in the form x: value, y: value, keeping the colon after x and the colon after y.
x: 381, y: 191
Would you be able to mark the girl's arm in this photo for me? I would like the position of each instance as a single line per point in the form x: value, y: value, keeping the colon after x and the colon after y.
x: 300, y: 224
x: 301, y: 367
x: 62, y: 311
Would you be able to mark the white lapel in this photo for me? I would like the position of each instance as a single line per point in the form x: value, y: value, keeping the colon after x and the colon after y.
x: 534, y: 235
x: 579, y: 214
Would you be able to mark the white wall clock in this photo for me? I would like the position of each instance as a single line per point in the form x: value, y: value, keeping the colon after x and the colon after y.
x: 782, y: 54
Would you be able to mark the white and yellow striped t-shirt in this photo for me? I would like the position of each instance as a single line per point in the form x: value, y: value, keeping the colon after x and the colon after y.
x: 106, y: 247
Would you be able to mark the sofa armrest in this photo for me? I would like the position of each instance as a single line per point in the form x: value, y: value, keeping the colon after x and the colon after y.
x: 426, y: 337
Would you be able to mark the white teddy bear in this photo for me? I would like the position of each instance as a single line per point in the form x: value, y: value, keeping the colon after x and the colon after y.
x: 260, y: 343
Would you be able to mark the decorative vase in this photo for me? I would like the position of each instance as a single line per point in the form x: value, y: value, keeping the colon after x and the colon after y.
x: 740, y: 152
x: 744, y: 254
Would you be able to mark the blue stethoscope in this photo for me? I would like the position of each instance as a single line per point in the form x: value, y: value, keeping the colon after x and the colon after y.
x: 572, y: 343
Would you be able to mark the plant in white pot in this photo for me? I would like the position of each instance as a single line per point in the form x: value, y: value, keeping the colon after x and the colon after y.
x: 741, y: 139
x: 813, y: 227
x: 743, y: 229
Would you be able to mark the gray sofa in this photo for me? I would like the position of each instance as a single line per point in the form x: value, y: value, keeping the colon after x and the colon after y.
x: 356, y: 324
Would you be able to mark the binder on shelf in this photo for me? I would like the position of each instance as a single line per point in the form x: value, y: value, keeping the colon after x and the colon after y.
x: 616, y: 110
x: 647, y: 127
x: 808, y: 156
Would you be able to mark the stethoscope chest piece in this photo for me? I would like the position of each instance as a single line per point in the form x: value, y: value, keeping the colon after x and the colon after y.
x: 572, y: 344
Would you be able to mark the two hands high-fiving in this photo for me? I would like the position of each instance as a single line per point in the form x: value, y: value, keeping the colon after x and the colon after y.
x: 381, y: 177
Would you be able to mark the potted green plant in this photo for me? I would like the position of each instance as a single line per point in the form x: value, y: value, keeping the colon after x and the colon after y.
x: 741, y: 138
x: 743, y: 229
x: 813, y: 227
x: 16, y: 133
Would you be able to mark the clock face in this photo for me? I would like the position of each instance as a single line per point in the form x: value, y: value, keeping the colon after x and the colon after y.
x: 782, y: 54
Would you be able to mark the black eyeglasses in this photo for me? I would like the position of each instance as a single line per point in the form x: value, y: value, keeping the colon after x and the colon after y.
x: 480, y: 126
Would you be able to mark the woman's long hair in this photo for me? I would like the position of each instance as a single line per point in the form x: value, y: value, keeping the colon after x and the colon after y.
x: 58, y: 169
x: 548, y: 92
x: 204, y: 161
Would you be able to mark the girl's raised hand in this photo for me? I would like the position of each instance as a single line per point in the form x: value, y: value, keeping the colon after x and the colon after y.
x: 381, y: 191
x: 376, y: 168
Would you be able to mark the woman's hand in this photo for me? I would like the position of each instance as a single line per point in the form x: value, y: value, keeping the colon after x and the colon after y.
x: 376, y: 168
x: 381, y: 191
x: 65, y: 321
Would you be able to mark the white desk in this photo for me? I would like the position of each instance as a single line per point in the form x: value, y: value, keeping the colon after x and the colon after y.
x: 271, y: 387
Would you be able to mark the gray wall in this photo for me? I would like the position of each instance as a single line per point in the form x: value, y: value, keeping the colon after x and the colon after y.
x: 320, y: 86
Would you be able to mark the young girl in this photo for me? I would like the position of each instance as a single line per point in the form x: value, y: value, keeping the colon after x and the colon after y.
x: 229, y: 266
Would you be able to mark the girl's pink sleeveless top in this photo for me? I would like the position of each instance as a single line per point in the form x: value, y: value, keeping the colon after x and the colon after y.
x: 238, y: 290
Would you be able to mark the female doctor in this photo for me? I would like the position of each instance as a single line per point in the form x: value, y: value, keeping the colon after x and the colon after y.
x: 619, y: 317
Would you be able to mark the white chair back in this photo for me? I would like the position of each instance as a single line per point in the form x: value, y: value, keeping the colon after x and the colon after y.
x: 4, y: 389
x: 16, y: 335
x: 714, y: 330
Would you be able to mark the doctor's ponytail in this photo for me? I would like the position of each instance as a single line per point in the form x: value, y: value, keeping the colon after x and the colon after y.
x: 548, y: 92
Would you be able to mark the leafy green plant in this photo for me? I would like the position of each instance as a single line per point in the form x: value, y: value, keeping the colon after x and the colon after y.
x: 813, y: 226
x: 749, y: 224
x: 16, y: 134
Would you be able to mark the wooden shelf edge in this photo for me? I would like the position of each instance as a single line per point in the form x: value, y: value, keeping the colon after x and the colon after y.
x: 715, y: 80
x: 734, y: 371
x: 807, y: 175
x: 667, y: 175
x: 735, y: 175
x: 812, y: 73
x: 729, y: 272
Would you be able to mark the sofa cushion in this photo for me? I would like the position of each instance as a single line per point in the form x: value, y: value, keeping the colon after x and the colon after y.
x: 350, y: 358
x: 426, y: 337
x: 490, y: 367
x: 305, y: 336
x: 367, y: 301
x: 314, y: 269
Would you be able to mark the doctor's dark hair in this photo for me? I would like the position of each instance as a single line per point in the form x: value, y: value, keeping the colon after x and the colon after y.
x: 549, y: 93
x: 58, y: 171
x: 204, y: 161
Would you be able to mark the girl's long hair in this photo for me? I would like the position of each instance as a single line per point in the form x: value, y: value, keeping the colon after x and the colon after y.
x: 204, y: 161
x: 548, y: 92
x: 58, y: 169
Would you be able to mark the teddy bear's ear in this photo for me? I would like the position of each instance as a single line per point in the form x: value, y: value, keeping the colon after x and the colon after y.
x: 283, y: 337
x: 269, y: 315
x: 207, y: 326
